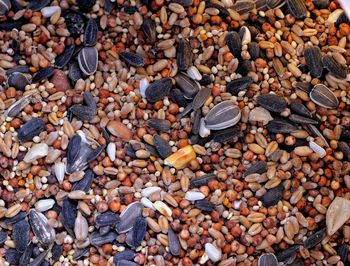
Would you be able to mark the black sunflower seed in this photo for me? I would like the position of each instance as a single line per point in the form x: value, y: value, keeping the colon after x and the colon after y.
x: 39, y: 259
x: 301, y: 119
x: 10, y: 25
x: 158, y: 90
x: 204, y: 205
x: 234, y: 43
x: 178, y: 97
x: 43, y: 74
x: 75, y: 23
x: 161, y: 125
x: 230, y: 134
x: 223, y: 11
x: 15, y: 219
x: 12, y: 256
x: 88, y: 60
x: 259, y: 167
x: 31, y: 128
x: 69, y: 214
x: 91, y: 33
x: 162, y: 146
x: 344, y: 147
x: 107, y: 218
x: 272, y: 196
x: 133, y: 59
x: 104, y: 230
x: 184, y: 55
x: 184, y: 3
x: 203, y: 180
x: 272, y: 102
x: 343, y: 18
x: 21, y: 69
x: 3, y: 237
x: 37, y: 5
x: 280, y: 126
x: 343, y: 252
x: 18, y: 81
x: 334, y: 67
x: 206, y: 80
x: 63, y: 59
x: 188, y: 86
x: 56, y: 251
x: 149, y: 29
x: 240, y: 84
x: 297, y: 8
x: 74, y: 72
x: 126, y: 254
x: 5, y: 6
x: 98, y: 240
x: 27, y: 254
x: 84, y: 113
x: 321, y: 4
x: 138, y: 231
x: 85, y: 5
x: 197, y: 115
x: 201, y: 98
x: 126, y: 263
x: 79, y: 253
x: 299, y: 109
x: 73, y: 148
x: 174, y: 243
x: 85, y: 183
x: 287, y: 254
x: 313, y: 60
x: 254, y: 50
x: 20, y: 235
x: 315, y: 239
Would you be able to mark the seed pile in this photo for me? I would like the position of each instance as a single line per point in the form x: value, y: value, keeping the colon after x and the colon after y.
x: 174, y: 132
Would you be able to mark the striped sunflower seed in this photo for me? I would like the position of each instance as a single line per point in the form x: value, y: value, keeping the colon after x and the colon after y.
x: 334, y: 67
x: 5, y: 6
x: 234, y: 43
x: 240, y: 84
x: 184, y: 55
x: 39, y: 223
x: 301, y: 119
x: 297, y: 8
x: 201, y: 98
x: 314, y: 239
x: 272, y: 102
x: 267, y: 259
x: 188, y: 86
x: 323, y: 96
x: 149, y: 29
x: 63, y: 59
x: 133, y: 59
x: 223, y: 115
x: 88, y: 60
x: 299, y: 109
x: 313, y: 60
x: 280, y: 126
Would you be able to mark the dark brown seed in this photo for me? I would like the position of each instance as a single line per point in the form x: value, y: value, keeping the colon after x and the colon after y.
x: 301, y: 119
x: 149, y: 29
x: 69, y: 214
x: 254, y: 50
x: 315, y: 239
x: 280, y: 126
x: 240, y: 84
x: 63, y: 59
x: 161, y: 125
x: 272, y: 102
x: 20, y: 235
x: 299, y: 108
x: 204, y: 205
x: 184, y: 55
x: 162, y: 146
x: 31, y: 128
x: 272, y: 196
x: 334, y: 67
x: 18, y: 81
x: 268, y: 259
x: 133, y: 59
x: 174, y: 243
x: 313, y: 60
x: 288, y: 255
x: 188, y: 86
x: 91, y: 33
x: 234, y: 43
x: 74, y: 72
x: 323, y: 96
x: 201, y: 97
x: 297, y: 8
x: 158, y: 90
x: 344, y: 147
x: 43, y: 74
x: 203, y: 180
x: 258, y: 168
x: 5, y: 6
x: 88, y: 60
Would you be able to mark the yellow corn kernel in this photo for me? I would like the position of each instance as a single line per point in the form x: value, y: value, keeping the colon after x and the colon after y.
x: 181, y: 158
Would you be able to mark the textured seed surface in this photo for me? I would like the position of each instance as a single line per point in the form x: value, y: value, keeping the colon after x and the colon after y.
x: 313, y: 60
x: 297, y: 8
x: 323, y: 96
x: 272, y: 196
x: 184, y: 55
x: 222, y: 116
x: 188, y: 86
x: 88, y: 59
x: 158, y: 90
x: 91, y: 33
x: 133, y: 59
x: 272, y: 102
x: 174, y: 243
x: 162, y: 146
x: 267, y: 259
x: 21, y: 231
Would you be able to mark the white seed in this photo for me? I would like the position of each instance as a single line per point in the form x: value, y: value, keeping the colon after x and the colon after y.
x: 317, y: 149
x: 194, y: 195
x: 162, y: 208
x: 36, y: 152
x: 60, y: 168
x: 44, y: 205
x: 147, y: 203
x: 144, y: 83
x: 111, y: 151
x: 203, y: 130
x: 194, y: 73
x: 213, y: 252
x: 148, y: 191
x: 50, y: 11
